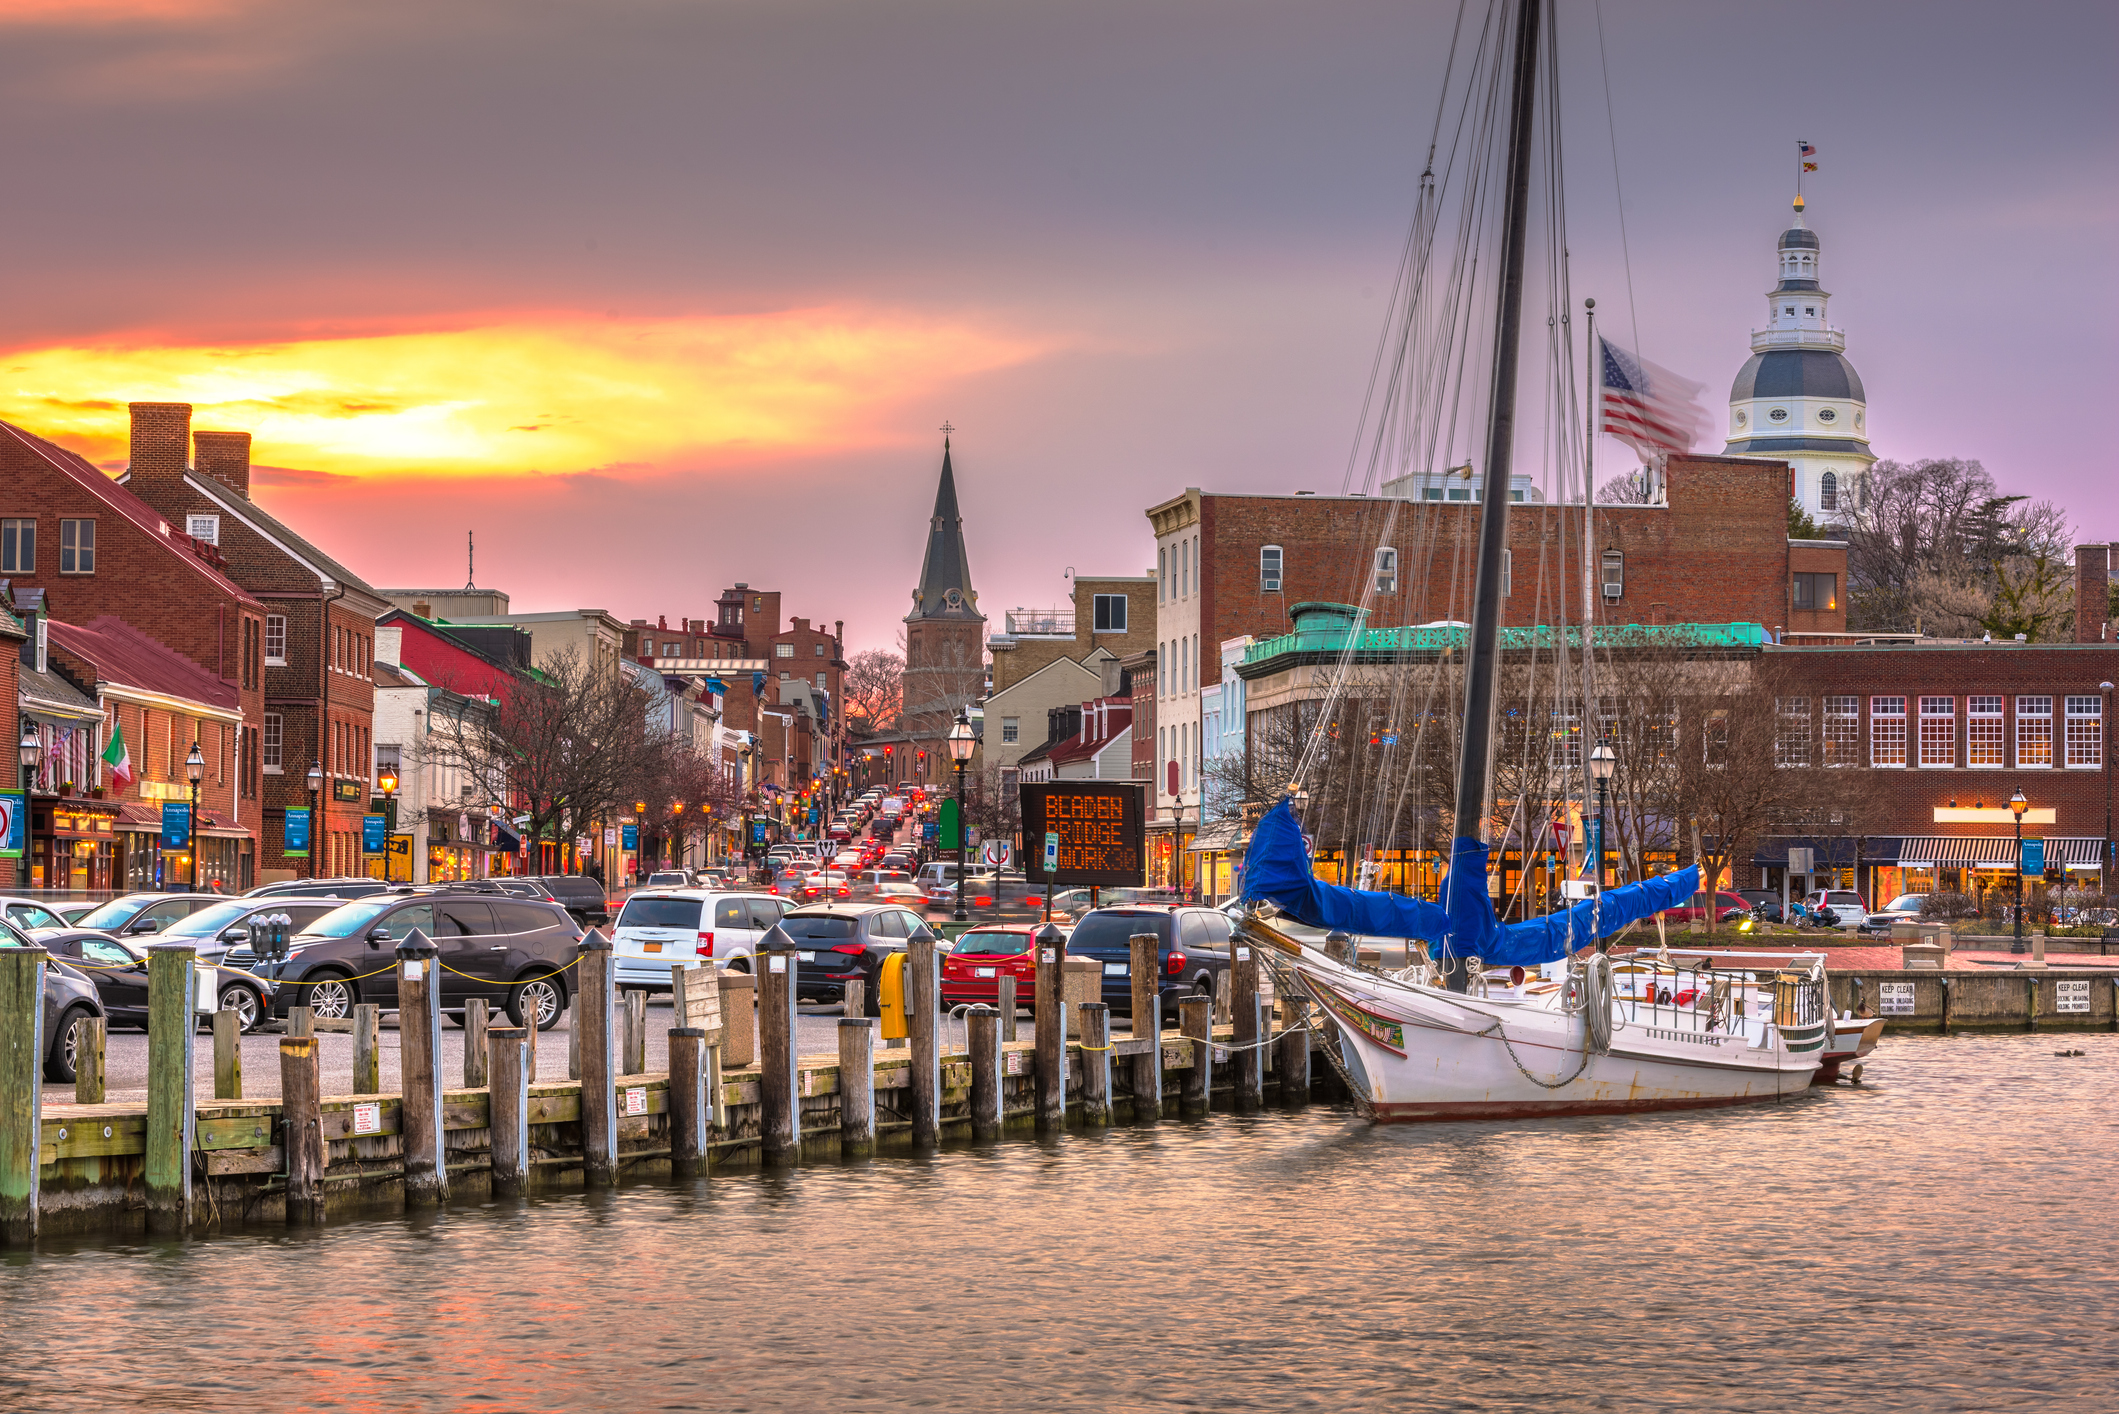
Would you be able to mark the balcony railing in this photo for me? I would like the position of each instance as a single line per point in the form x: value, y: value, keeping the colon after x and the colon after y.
x: 1053, y: 623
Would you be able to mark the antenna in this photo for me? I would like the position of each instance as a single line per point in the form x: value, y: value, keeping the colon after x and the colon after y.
x: 470, y: 560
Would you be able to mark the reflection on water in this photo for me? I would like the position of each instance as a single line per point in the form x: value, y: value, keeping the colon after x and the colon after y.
x: 1937, y: 1239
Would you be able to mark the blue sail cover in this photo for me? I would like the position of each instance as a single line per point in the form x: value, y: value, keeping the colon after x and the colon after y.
x: 1276, y: 870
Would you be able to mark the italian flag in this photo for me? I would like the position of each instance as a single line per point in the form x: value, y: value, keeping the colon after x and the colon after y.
x: 117, y: 757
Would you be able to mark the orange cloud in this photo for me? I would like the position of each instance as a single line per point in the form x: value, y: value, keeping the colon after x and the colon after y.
x: 555, y: 395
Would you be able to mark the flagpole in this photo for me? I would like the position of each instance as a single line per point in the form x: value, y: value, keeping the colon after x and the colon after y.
x: 1589, y: 540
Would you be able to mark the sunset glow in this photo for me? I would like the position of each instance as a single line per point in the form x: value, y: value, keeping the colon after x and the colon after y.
x: 537, y: 396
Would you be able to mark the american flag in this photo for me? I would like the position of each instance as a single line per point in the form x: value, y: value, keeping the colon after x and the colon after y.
x: 1650, y: 409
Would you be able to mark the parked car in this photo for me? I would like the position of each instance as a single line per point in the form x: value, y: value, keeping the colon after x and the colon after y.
x: 847, y: 942
x: 667, y: 879
x: 1903, y: 909
x: 69, y: 999
x: 118, y: 971
x: 665, y: 928
x: 226, y: 925
x: 74, y: 910
x: 1845, y: 904
x: 30, y: 915
x: 132, y: 915
x: 1192, y: 949
x: 344, y: 888
x: 511, y: 951
x: 1728, y: 907
x: 580, y: 895
x: 520, y: 886
x: 975, y: 964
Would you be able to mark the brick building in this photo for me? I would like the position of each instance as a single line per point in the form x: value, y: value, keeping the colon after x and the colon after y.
x: 17, y: 650
x: 93, y: 549
x: 945, y: 643
x: 319, y: 637
x: 1715, y: 549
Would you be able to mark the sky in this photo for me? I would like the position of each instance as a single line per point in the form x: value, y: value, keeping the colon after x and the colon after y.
x: 657, y: 296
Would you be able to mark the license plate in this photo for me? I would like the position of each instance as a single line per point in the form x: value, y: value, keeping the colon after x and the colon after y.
x: 1118, y: 969
x: 651, y: 947
x: 807, y: 956
x: 985, y: 972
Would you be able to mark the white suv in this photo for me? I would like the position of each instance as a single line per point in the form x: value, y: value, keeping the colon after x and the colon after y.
x: 1844, y: 903
x: 660, y: 929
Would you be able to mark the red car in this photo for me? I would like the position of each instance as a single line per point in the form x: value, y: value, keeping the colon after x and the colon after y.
x: 1728, y: 908
x: 972, y: 970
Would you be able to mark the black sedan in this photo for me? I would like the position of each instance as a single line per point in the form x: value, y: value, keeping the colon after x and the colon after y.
x: 130, y: 915
x: 119, y: 971
x: 846, y: 942
x: 69, y: 999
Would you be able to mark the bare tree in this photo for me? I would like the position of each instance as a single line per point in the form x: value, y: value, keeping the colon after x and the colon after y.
x: 1925, y: 538
x: 1628, y: 488
x: 1727, y: 777
x: 873, y: 690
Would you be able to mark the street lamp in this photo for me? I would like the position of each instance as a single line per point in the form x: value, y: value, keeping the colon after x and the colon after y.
x: 2104, y: 860
x: 194, y: 772
x: 1601, y: 764
x: 32, y: 746
x: 316, y: 810
x: 386, y: 780
x: 960, y: 745
x: 677, y: 835
x: 2017, y: 805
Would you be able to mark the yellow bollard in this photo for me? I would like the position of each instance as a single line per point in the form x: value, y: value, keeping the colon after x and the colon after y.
x: 890, y: 990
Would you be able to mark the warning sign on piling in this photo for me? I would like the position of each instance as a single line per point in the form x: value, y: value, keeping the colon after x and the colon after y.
x: 2072, y: 995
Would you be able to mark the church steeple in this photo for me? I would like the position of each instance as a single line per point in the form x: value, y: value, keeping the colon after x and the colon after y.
x: 945, y: 590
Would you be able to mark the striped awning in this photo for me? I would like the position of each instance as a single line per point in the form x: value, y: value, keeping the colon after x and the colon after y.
x: 1961, y: 851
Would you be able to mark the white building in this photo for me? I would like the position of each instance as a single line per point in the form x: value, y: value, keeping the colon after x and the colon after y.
x: 1798, y: 400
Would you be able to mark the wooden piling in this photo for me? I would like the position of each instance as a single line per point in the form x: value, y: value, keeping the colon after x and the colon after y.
x: 508, y: 1114
x: 853, y: 999
x: 1195, y: 1018
x: 739, y: 1019
x: 1049, y: 1016
x: 529, y: 1063
x: 1248, y: 1057
x: 1339, y: 947
x: 695, y: 1002
x: 1292, y: 1063
x: 301, y: 1021
x: 367, y: 1049
x: 172, y: 987
x: 594, y: 1017
x: 1096, y: 1064
x: 301, y: 1128
x: 857, y: 1085
x: 635, y: 1057
x: 923, y: 1000
x: 91, y: 1060
x: 574, y: 1044
x: 691, y: 1121
x: 1007, y: 1007
x: 419, y: 1071
x: 227, y: 1054
x: 1146, y: 975
x: 477, y: 1061
x: 22, y: 1051
x: 779, y: 1096
x: 1224, y: 996
x: 982, y: 1038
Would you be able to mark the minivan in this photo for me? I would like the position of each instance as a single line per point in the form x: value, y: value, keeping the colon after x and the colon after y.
x: 661, y: 929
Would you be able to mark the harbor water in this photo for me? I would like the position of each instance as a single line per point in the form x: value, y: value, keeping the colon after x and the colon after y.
x: 1937, y: 1238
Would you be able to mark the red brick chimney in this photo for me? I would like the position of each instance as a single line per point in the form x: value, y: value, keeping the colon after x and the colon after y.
x: 161, y: 443
x: 2093, y: 579
x: 224, y: 456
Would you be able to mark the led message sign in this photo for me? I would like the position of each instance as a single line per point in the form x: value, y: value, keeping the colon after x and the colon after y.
x: 1101, y: 827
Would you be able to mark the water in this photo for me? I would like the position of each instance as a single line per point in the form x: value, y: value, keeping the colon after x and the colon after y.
x: 1936, y: 1239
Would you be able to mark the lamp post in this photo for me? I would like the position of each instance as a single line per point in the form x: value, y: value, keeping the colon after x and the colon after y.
x: 32, y: 746
x: 1601, y: 764
x: 2104, y: 738
x: 2017, y: 805
x: 677, y: 835
x: 386, y: 780
x: 316, y: 810
x: 194, y: 772
x: 960, y: 745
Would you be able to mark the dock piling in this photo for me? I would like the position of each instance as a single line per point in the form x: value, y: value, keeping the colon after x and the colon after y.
x: 367, y: 1049
x: 508, y: 1117
x: 476, y: 1059
x: 690, y: 1113
x: 1096, y: 1064
x: 982, y: 1035
x: 1007, y: 1007
x: 1145, y: 969
x: 301, y: 1128
x: 1244, y: 1018
x: 923, y: 1001
x: 227, y: 1054
x: 22, y: 1049
x: 634, y: 1055
x: 1292, y: 1062
x: 1195, y: 1019
x: 857, y: 1085
x: 1225, y: 995
x: 172, y: 1116
x: 91, y: 1060
x: 597, y: 1049
x: 779, y: 1077
x: 301, y: 1021
x: 419, y: 1070
x: 739, y: 1019
x: 853, y: 998
x: 1050, y: 1021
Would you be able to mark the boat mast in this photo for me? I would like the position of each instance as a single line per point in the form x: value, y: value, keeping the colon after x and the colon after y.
x: 1485, y: 653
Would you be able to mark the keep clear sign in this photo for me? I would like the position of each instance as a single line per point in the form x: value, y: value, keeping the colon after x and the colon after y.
x: 1894, y: 998
x: 2072, y: 995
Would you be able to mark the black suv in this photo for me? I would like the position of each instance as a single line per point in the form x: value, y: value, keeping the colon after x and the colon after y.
x: 1192, y: 950
x: 511, y: 951
x: 320, y: 888
x: 846, y: 942
x: 580, y: 895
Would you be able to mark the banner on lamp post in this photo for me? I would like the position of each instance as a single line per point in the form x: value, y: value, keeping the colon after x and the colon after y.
x: 176, y: 824
x: 295, y: 836
x: 374, y: 833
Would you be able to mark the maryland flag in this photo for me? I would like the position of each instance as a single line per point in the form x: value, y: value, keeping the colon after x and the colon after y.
x: 1807, y: 152
x: 117, y: 757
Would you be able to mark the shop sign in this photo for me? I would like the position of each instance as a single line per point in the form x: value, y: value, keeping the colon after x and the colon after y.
x: 295, y: 836
x: 14, y: 824
x: 373, y: 830
x: 397, y: 860
x: 463, y: 829
x: 176, y: 824
x: 352, y: 791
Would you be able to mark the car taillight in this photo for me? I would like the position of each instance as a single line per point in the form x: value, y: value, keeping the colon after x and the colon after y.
x: 1176, y: 965
x: 706, y: 943
x: 984, y: 900
x: 850, y: 949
